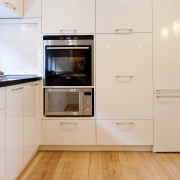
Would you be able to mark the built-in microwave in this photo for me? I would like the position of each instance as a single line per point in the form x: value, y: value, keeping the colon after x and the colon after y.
x: 68, y: 102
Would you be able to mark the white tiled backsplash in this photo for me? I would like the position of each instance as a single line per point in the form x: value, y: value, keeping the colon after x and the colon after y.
x: 20, y: 48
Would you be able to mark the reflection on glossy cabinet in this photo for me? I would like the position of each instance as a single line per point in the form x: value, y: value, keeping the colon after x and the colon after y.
x: 68, y: 132
x: 68, y: 17
x: 14, y: 130
x: 166, y: 43
x: 11, y: 9
x: 167, y: 122
x: 124, y: 76
x: 31, y: 119
x: 124, y: 132
x: 122, y: 16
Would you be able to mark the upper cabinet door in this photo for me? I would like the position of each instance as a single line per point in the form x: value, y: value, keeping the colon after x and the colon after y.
x: 32, y: 8
x: 11, y: 9
x: 166, y: 39
x: 123, y: 16
x: 68, y: 16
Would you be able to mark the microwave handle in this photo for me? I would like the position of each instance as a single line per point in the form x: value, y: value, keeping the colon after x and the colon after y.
x: 67, y: 47
x: 81, y: 101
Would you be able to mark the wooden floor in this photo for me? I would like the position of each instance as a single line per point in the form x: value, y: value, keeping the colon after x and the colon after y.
x: 103, y: 166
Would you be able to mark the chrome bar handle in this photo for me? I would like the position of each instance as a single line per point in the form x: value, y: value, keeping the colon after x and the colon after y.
x: 168, y: 90
x: 16, y: 89
x: 10, y: 5
x: 119, y: 76
x: 68, y: 30
x: 167, y: 96
x: 124, y: 31
x: 68, y: 123
x: 124, y: 123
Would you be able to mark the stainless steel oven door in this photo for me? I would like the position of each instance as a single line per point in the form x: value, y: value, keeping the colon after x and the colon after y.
x: 64, y: 102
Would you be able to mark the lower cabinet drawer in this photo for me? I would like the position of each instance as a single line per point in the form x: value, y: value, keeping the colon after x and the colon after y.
x: 68, y: 132
x: 124, y: 132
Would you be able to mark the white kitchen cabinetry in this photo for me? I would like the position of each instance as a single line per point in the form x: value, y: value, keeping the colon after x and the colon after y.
x: 166, y: 43
x: 31, y: 119
x: 14, y: 130
x: 11, y: 9
x: 122, y: 16
x: 128, y: 132
x: 68, y: 132
x: 124, y: 76
x: 2, y: 133
x: 167, y: 122
x: 68, y: 16
x: 32, y: 8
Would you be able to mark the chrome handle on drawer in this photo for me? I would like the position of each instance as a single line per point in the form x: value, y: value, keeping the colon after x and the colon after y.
x: 168, y: 91
x: 17, y: 89
x: 68, y: 123
x: 124, y: 123
x: 124, y: 31
x: 119, y: 76
x: 168, y: 96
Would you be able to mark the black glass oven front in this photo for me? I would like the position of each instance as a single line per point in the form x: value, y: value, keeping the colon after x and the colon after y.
x: 68, y: 60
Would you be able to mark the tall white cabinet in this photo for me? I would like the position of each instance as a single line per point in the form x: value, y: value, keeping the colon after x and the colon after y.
x: 68, y: 17
x: 124, y: 87
x: 166, y: 38
x: 14, y: 130
x: 2, y: 133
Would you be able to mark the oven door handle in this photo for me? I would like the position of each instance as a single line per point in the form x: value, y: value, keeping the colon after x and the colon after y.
x: 67, y: 47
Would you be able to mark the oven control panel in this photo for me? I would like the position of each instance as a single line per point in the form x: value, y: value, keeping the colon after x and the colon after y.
x: 87, y: 107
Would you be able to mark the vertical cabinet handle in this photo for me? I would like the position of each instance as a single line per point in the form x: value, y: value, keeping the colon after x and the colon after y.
x: 8, y: 4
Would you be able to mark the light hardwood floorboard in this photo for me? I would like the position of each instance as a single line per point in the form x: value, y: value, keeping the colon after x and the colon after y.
x: 96, y: 165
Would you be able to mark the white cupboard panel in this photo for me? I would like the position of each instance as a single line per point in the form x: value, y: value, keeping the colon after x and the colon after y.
x: 2, y: 164
x: 124, y: 87
x: 129, y: 132
x: 167, y: 122
x: 123, y: 15
x: 68, y: 16
x: 2, y: 128
x: 68, y: 132
x: 11, y: 9
x: 32, y: 8
x: 2, y: 98
x: 166, y: 38
x: 14, y: 131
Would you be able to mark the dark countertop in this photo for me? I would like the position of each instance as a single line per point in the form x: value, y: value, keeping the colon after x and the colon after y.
x: 10, y: 80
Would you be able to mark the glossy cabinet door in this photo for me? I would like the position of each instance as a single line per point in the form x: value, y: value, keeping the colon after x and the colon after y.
x: 2, y: 133
x: 166, y: 43
x: 14, y: 131
x: 124, y: 76
x: 31, y: 120
x: 68, y: 17
x: 123, y: 16
x: 32, y: 8
x: 11, y: 9
x: 125, y: 132
x: 166, y: 122
x: 68, y: 132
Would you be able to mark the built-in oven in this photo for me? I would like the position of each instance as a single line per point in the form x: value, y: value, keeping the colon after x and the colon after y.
x: 68, y: 60
x: 68, y: 102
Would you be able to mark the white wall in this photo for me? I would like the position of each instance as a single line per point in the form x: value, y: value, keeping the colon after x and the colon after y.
x: 20, y: 47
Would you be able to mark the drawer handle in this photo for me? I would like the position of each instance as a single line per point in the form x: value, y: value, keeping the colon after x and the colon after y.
x: 118, y: 76
x: 35, y: 84
x: 68, y: 30
x: 10, y: 5
x: 168, y: 96
x: 17, y: 89
x: 124, y: 123
x: 168, y: 91
x: 124, y: 31
x: 68, y: 123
